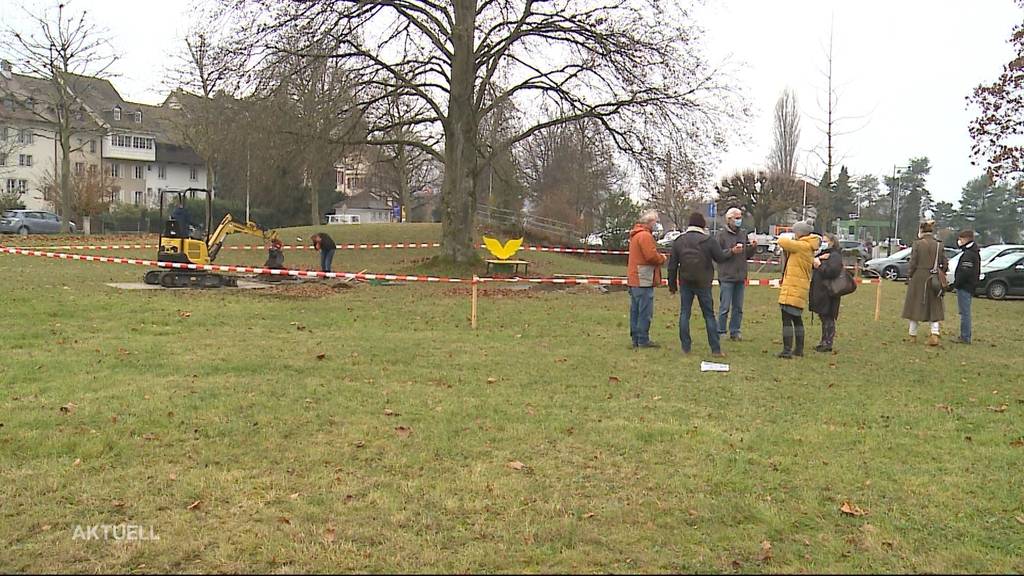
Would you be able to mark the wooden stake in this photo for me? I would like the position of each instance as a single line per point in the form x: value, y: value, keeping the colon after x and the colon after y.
x: 878, y: 299
x: 472, y: 315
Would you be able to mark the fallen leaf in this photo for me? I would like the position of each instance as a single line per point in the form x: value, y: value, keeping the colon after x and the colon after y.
x: 403, y: 431
x: 945, y: 408
x: 492, y: 380
x: 693, y: 513
x: 360, y: 443
x: 321, y: 356
x: 77, y: 462
x: 195, y: 505
x: 614, y: 380
x: 1018, y: 443
x: 329, y: 535
x: 390, y: 412
x: 45, y: 527
x: 589, y: 515
x: 561, y: 360
x: 1019, y: 519
x: 294, y: 496
x: 516, y: 465
x: 766, y: 551
x: 184, y: 314
x: 68, y: 408
x: 1000, y: 408
x: 117, y: 504
x: 851, y: 509
x: 123, y: 351
x: 149, y: 436
x: 657, y: 398
x: 172, y: 476
x: 283, y: 520
x: 113, y: 419
x: 300, y: 327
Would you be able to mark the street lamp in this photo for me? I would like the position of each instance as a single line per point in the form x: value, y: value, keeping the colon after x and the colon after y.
x: 897, y: 199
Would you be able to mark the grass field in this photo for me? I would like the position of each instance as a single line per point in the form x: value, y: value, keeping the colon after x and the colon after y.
x: 370, y: 430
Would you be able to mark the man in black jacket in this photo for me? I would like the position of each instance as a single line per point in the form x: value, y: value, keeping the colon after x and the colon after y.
x: 691, y: 271
x: 325, y: 244
x: 968, y: 273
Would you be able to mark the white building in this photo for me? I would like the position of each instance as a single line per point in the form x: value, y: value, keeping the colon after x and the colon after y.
x: 132, y: 144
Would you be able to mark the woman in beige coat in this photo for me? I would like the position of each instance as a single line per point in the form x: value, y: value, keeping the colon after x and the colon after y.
x: 922, y: 304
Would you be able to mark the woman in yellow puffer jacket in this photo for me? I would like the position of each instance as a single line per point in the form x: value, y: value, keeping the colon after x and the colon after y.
x: 797, y: 267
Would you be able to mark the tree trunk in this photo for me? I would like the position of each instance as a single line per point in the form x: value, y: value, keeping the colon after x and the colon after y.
x: 66, y: 200
x: 314, y: 200
x: 458, y: 194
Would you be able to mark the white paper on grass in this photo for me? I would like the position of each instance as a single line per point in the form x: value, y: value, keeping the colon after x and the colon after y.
x: 713, y: 367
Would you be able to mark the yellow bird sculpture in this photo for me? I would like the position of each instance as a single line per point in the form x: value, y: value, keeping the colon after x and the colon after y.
x: 503, y: 251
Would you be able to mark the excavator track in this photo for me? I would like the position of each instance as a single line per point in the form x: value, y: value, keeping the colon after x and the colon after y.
x: 188, y: 279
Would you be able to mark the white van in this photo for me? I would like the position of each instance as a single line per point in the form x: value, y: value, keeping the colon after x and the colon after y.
x: 343, y: 219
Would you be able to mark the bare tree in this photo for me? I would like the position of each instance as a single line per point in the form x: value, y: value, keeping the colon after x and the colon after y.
x: 630, y: 65
x: 91, y: 192
x: 761, y: 194
x: 677, y: 183
x: 63, y: 49
x: 785, y: 135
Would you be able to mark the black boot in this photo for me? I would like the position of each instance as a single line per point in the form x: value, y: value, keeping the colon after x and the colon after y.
x: 798, y: 350
x: 787, y: 341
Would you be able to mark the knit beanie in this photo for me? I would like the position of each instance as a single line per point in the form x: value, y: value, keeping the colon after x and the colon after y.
x: 802, y: 228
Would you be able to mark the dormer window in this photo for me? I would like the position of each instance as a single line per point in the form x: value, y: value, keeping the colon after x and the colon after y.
x: 117, y: 113
x: 138, y: 117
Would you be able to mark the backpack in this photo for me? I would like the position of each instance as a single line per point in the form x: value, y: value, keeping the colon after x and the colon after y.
x: 693, y: 262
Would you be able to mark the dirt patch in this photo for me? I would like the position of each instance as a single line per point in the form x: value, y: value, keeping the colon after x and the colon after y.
x: 313, y: 289
x: 515, y: 291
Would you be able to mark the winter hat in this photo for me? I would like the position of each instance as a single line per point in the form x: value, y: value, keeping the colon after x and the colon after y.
x: 802, y: 229
x: 697, y: 220
x: 927, y: 227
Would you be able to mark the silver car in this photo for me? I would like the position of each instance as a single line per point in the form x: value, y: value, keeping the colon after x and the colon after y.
x: 25, y: 222
x: 896, y: 266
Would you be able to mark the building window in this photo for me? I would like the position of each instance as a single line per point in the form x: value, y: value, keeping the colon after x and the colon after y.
x: 139, y: 172
x: 11, y: 184
x: 161, y: 172
x: 193, y: 174
x: 79, y: 168
x: 92, y: 146
x: 138, y: 117
x: 3, y: 159
x: 138, y: 198
x: 22, y: 186
x: 115, y: 170
x: 25, y: 137
x: 24, y: 159
x: 3, y: 134
x: 92, y: 168
x: 14, y: 185
x: 117, y: 113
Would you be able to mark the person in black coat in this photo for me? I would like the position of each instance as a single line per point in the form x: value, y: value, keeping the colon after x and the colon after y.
x: 828, y: 264
x: 965, y: 281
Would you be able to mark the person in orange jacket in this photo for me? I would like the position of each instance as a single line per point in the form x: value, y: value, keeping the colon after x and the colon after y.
x: 643, y: 273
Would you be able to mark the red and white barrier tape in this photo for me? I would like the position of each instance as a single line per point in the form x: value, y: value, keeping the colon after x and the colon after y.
x: 608, y: 281
x: 232, y: 268
x: 363, y: 246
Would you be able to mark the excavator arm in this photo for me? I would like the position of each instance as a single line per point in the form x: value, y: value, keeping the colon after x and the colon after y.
x: 229, y: 226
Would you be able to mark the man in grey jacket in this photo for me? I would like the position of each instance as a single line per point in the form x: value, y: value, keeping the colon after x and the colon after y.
x: 732, y: 273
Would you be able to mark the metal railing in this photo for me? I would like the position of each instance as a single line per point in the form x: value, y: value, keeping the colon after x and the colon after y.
x: 527, y: 222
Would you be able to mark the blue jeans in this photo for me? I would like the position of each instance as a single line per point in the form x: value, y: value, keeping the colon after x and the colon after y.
x: 707, y: 308
x: 963, y: 302
x: 731, y: 299
x: 641, y: 310
x: 326, y: 257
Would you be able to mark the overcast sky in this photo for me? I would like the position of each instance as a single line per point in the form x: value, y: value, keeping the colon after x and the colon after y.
x: 902, y: 69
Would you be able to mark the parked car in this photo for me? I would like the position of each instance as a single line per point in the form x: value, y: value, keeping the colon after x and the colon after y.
x: 988, y: 254
x: 764, y: 241
x: 1002, y: 277
x: 669, y: 238
x: 891, y: 267
x: 25, y: 222
x: 855, y: 248
x: 343, y: 219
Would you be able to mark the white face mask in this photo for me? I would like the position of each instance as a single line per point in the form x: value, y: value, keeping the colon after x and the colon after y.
x: 824, y: 245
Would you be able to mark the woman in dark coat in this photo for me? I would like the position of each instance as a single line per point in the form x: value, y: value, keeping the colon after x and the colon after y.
x: 923, y: 304
x: 828, y: 264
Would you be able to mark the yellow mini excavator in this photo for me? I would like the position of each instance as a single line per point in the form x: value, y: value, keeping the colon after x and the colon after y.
x: 179, y: 242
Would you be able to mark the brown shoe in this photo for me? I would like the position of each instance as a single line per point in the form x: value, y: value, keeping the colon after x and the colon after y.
x: 911, y: 339
x: 718, y: 355
x: 933, y: 340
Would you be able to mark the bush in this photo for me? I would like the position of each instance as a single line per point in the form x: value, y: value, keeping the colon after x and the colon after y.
x: 11, y: 201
